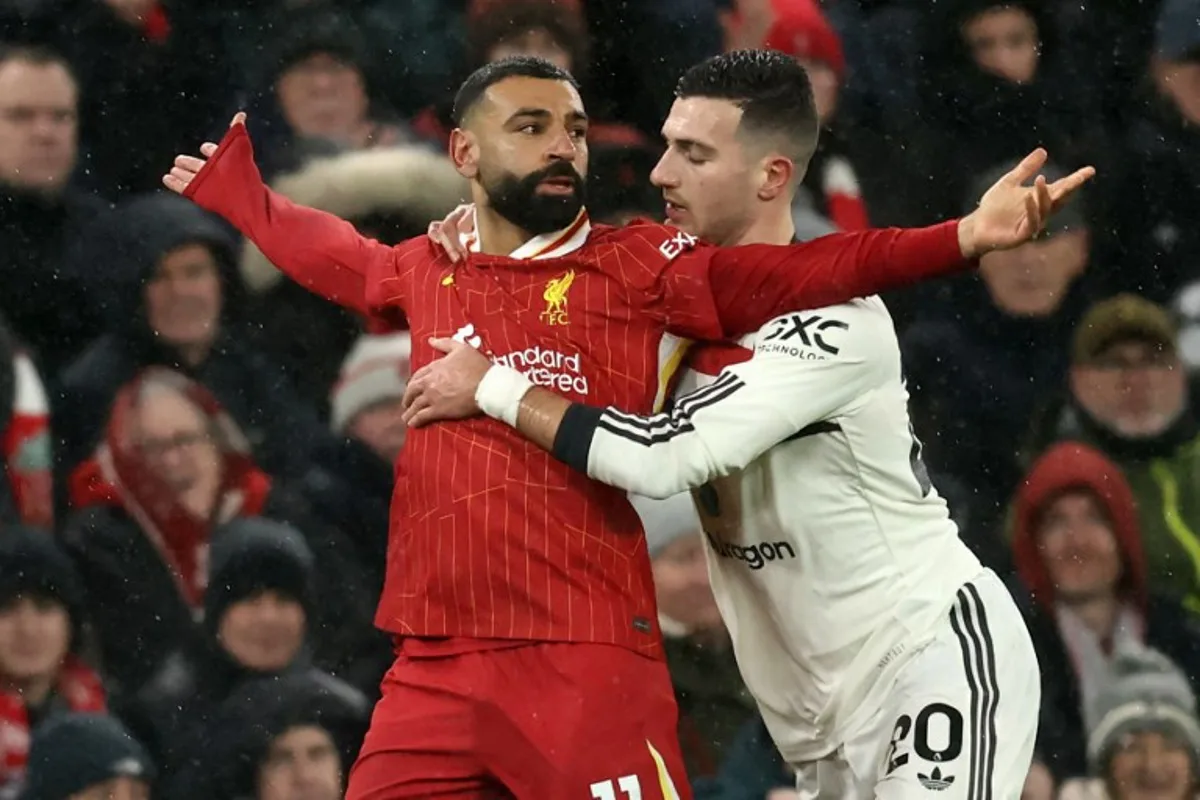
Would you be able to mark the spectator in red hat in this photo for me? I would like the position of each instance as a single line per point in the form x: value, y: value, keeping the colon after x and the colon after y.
x: 800, y: 29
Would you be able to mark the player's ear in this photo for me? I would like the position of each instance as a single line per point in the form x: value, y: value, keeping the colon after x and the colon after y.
x: 464, y: 152
x: 776, y: 174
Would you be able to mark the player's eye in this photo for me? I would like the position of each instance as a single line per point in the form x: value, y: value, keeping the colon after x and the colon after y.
x: 579, y: 133
x: 695, y: 159
x: 532, y: 129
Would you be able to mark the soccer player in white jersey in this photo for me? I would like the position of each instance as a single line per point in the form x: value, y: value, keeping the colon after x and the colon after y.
x: 886, y: 661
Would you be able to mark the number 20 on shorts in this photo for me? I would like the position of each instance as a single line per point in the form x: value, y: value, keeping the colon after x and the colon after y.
x: 627, y: 787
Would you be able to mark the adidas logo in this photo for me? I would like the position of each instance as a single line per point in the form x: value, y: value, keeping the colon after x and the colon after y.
x: 935, y: 781
x: 466, y: 334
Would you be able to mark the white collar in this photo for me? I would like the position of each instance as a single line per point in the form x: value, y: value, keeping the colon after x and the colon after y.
x: 547, y: 245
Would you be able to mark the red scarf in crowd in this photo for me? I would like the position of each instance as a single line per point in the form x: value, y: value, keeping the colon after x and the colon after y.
x: 78, y: 689
x: 119, y: 475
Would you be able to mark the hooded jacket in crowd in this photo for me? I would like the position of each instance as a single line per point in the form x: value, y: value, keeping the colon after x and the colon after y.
x: 970, y: 119
x: 283, y: 432
x: 144, y: 558
x: 1072, y: 674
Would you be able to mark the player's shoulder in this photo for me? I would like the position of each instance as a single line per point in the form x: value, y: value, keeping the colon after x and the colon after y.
x: 860, y: 330
x: 653, y: 242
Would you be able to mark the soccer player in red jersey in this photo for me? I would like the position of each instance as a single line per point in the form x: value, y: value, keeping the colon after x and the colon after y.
x: 528, y: 654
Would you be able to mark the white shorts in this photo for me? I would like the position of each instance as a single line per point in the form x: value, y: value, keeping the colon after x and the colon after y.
x: 960, y: 721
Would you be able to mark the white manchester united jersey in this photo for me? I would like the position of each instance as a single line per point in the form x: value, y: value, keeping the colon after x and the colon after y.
x: 831, y: 555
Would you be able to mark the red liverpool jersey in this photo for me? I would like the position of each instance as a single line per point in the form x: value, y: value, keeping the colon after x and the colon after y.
x: 491, y: 537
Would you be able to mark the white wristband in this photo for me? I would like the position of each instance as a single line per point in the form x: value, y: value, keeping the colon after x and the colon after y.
x: 499, y: 393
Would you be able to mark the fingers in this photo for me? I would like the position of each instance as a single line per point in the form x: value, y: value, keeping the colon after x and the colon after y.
x: 208, y: 149
x: 416, y: 385
x: 1063, y: 188
x: 238, y: 119
x: 175, y: 184
x: 420, y: 403
x: 1033, y: 215
x: 1045, y: 202
x: 189, y: 164
x: 1029, y: 166
x: 444, y: 345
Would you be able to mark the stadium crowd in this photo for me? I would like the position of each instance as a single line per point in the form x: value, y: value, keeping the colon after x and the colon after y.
x: 197, y: 452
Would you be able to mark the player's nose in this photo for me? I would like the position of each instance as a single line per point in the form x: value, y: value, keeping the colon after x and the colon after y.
x: 662, y: 175
x: 563, y: 147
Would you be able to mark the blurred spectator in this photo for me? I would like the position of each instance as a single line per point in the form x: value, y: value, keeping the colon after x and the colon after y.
x: 41, y: 617
x: 1129, y: 397
x: 261, y: 618
x: 41, y: 213
x: 1077, y: 548
x: 172, y: 469
x: 26, y: 492
x: 800, y: 29
x: 713, y: 702
x: 278, y: 739
x: 994, y: 85
x: 389, y: 194
x: 982, y: 357
x: 366, y: 399
x: 1145, y: 742
x: 179, y: 307
x: 551, y: 29
x: 366, y: 411
x: 319, y: 93
x: 153, y: 82
x: 88, y: 757
x: 619, y: 187
x: 1154, y: 234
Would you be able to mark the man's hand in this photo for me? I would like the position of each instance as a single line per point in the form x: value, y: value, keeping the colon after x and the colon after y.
x: 448, y: 233
x: 445, y: 389
x: 1011, y: 213
x: 188, y: 167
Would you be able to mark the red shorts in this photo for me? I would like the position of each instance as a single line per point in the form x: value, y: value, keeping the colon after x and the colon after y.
x: 534, y: 722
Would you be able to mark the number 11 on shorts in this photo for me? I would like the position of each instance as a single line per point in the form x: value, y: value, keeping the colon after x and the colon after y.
x: 627, y: 787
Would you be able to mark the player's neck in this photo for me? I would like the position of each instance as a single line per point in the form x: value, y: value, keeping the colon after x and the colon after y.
x: 498, y: 236
x: 773, y: 227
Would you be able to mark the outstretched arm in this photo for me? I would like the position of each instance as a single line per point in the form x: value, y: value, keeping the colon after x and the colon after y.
x: 779, y: 393
x: 319, y: 251
x: 712, y: 293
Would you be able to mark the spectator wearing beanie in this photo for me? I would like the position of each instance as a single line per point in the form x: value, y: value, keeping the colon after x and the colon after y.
x: 258, y: 622
x: 41, y: 614
x: 799, y: 29
x: 1146, y: 738
x: 366, y: 400
x: 87, y: 757
x: 713, y: 702
x: 279, y: 739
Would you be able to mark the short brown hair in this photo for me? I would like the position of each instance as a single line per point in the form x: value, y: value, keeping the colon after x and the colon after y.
x: 36, y: 54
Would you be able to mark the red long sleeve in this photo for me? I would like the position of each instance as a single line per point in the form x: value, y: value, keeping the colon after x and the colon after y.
x: 753, y: 284
x: 710, y: 293
x: 319, y: 251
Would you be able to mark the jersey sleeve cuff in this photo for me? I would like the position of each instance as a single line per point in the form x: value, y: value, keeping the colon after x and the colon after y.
x: 573, y: 442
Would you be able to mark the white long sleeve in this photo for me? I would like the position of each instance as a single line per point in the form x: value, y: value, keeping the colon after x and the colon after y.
x: 806, y: 370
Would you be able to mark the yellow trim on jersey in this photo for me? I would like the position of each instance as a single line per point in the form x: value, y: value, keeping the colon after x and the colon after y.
x: 669, y: 792
x: 666, y: 373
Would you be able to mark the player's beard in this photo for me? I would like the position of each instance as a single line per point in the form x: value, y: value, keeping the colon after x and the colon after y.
x: 517, y: 199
